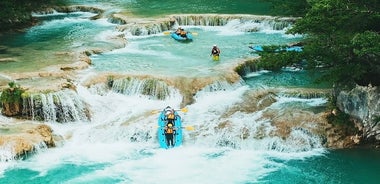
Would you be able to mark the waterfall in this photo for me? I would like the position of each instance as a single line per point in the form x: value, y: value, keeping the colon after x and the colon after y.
x: 244, y: 23
x: 61, y: 106
x: 222, y: 85
x: 222, y: 20
x: 299, y: 140
x: 6, y: 153
x: 142, y: 29
x: 153, y: 88
x: 247, y: 68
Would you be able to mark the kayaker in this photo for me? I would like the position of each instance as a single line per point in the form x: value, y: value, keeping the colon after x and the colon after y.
x: 215, y: 51
x: 169, y: 132
x: 178, y: 31
x: 169, y: 115
x: 183, y: 33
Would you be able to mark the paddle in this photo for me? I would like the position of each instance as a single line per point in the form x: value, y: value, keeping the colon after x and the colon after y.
x: 182, y: 110
x: 188, y: 127
x: 168, y: 33
x: 191, y: 128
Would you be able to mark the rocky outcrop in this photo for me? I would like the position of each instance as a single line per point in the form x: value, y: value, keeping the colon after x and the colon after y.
x: 363, y: 104
x: 24, y: 138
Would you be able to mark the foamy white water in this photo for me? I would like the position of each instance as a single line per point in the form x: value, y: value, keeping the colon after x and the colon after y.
x: 119, y: 142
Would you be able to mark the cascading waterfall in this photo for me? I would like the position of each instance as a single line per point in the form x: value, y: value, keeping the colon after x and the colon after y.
x: 299, y: 140
x: 242, y: 23
x: 222, y: 85
x: 222, y: 20
x: 145, y: 29
x: 150, y: 87
x: 61, y: 106
x: 7, y: 153
x: 222, y: 124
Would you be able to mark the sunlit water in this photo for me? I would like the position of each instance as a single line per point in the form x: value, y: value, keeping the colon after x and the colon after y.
x: 119, y: 144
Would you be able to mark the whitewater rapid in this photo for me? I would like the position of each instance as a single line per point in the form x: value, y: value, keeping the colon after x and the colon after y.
x: 118, y: 144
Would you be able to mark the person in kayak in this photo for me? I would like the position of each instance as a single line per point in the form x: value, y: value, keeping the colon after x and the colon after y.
x: 169, y: 134
x: 178, y: 31
x: 183, y: 33
x: 215, y: 51
x: 169, y: 115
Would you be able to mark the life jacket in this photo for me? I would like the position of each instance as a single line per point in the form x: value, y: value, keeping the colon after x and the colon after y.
x: 170, y: 116
x: 169, y: 130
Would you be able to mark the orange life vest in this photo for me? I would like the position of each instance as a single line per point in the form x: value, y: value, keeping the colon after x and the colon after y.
x: 169, y: 130
x: 171, y: 116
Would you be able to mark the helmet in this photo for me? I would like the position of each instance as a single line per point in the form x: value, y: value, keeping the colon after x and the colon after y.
x: 214, y: 45
x: 170, y: 125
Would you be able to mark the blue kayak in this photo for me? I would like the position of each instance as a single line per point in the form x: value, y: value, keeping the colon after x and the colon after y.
x: 257, y: 48
x: 188, y: 38
x: 161, y: 131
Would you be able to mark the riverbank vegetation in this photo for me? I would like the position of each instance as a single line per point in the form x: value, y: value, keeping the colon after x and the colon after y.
x: 16, y: 14
x: 11, y: 99
x: 342, y: 37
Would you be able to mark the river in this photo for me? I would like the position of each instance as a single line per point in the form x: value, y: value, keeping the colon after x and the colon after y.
x: 118, y: 144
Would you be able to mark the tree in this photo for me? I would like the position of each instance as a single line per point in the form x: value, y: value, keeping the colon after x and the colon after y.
x: 343, y: 37
x: 296, y: 8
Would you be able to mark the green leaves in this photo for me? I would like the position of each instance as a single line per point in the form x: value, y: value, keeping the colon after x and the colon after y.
x: 366, y: 44
x: 273, y: 59
x: 289, y: 8
x: 343, y: 36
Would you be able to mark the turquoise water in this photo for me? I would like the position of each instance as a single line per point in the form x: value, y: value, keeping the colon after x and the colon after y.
x: 291, y: 78
x: 119, y: 144
x: 339, y: 166
x: 162, y: 55
x: 52, y: 41
x: 148, y: 8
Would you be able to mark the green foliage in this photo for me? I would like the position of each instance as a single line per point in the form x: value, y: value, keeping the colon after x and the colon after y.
x: 289, y: 8
x: 13, y: 94
x: 12, y: 84
x: 17, y: 13
x: 343, y: 37
x: 272, y: 58
x: 367, y: 44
